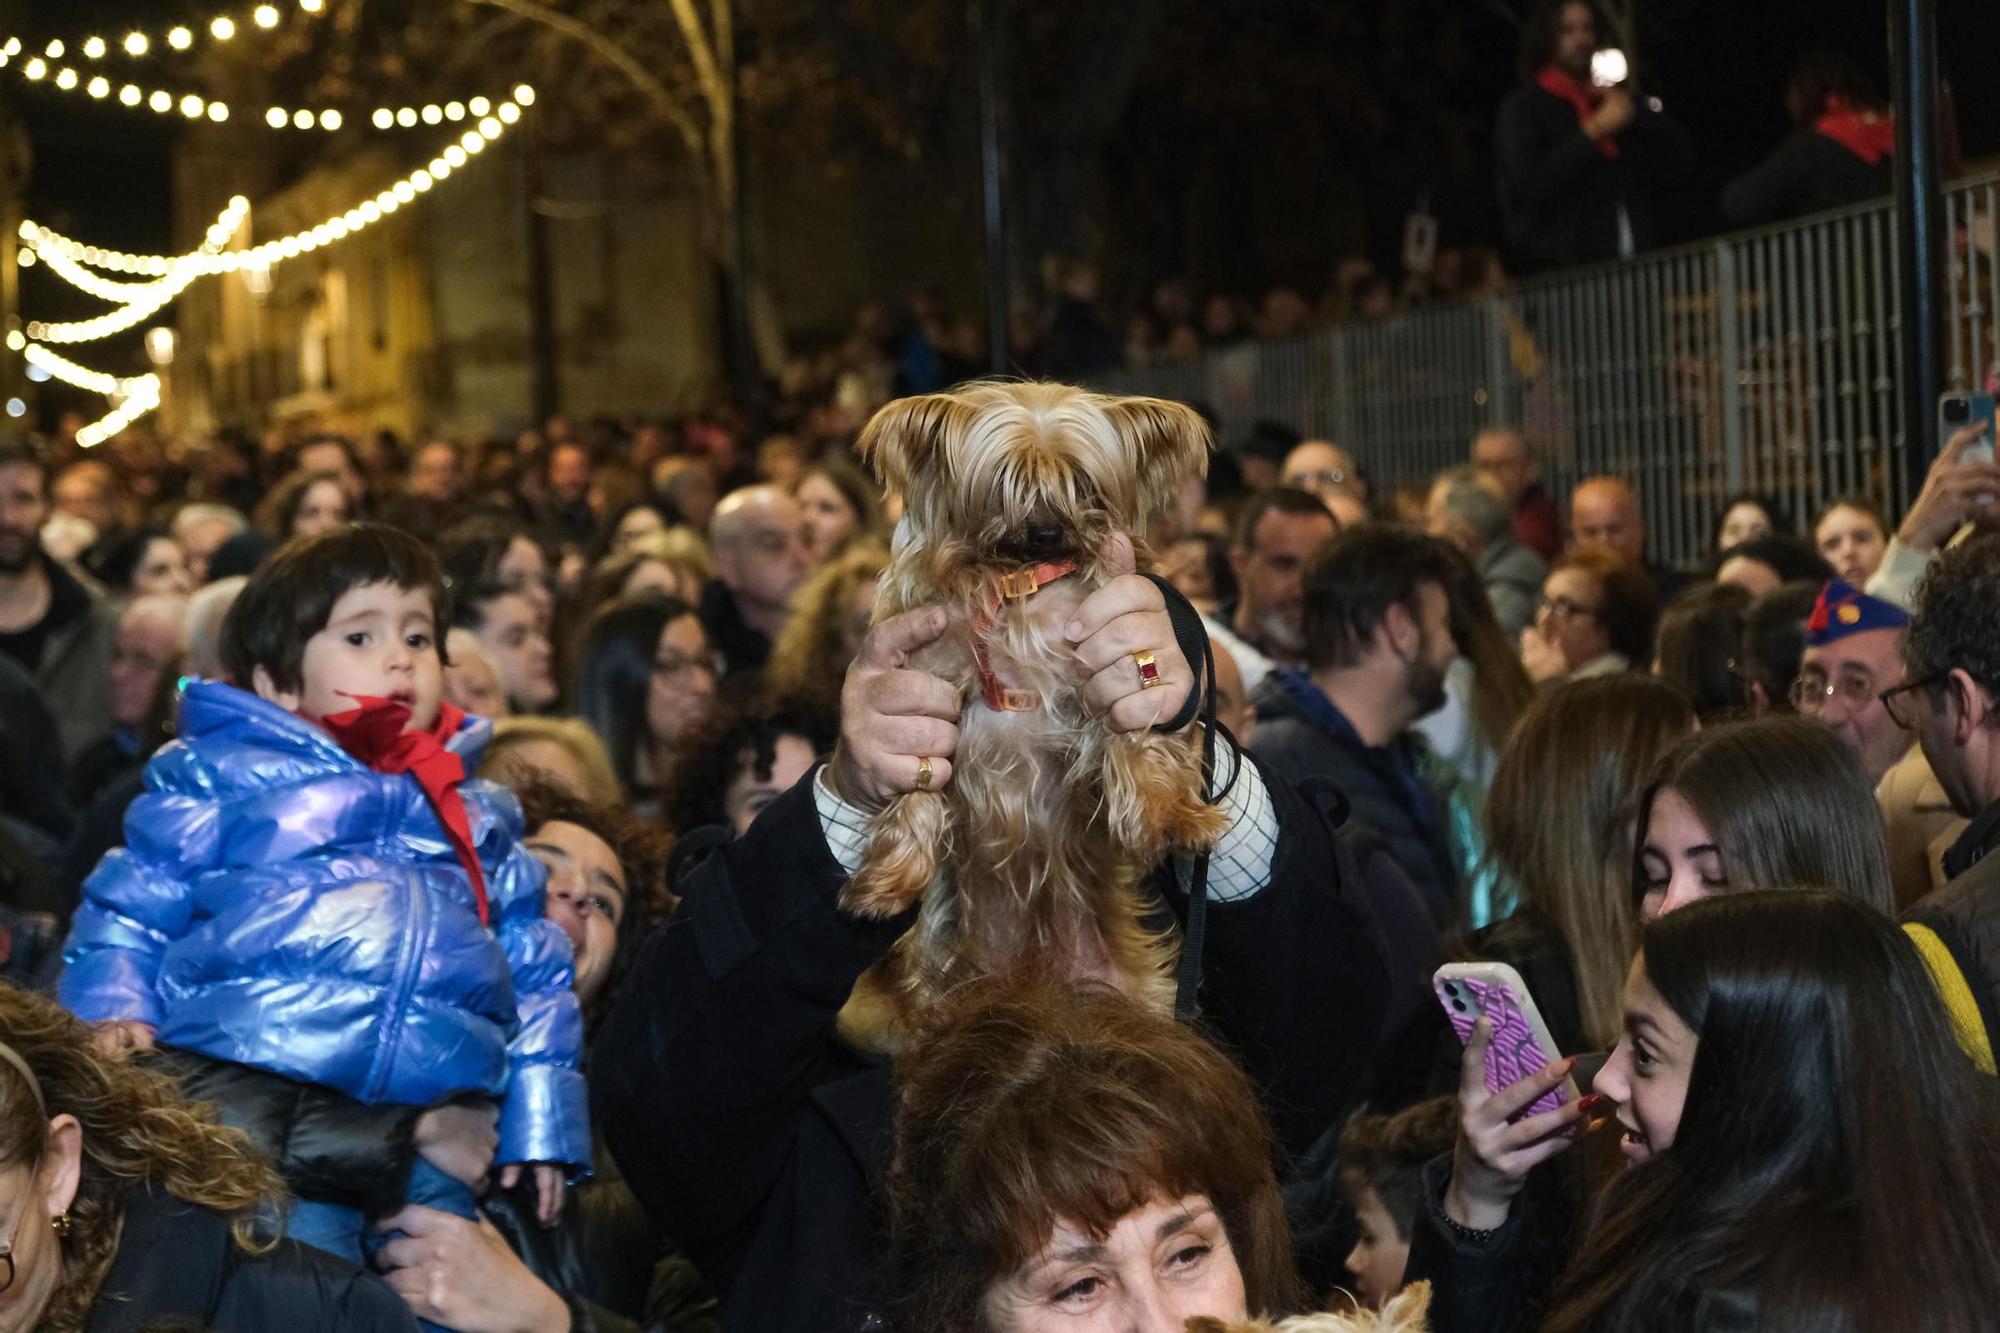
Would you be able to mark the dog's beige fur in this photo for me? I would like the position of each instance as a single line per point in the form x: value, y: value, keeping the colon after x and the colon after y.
x: 1408, y: 1311
x: 1034, y: 852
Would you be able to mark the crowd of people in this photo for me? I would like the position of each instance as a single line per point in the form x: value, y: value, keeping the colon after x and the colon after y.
x: 433, y: 856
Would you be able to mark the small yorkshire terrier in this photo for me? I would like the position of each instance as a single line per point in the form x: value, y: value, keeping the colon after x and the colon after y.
x: 1408, y: 1311
x: 1013, y: 494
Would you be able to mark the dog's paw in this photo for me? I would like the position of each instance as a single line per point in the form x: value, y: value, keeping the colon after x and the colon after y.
x: 904, y: 843
x: 1152, y: 795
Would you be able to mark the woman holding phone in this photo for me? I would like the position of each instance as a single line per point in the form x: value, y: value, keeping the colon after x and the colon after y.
x: 1791, y: 1102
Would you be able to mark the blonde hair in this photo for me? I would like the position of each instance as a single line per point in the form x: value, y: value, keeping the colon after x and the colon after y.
x: 810, y: 657
x: 572, y: 736
x: 138, y: 1130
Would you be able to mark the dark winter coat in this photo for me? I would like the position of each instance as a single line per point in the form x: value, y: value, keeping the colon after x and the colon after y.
x: 178, y: 1265
x: 755, y: 1135
x: 1807, y: 174
x: 1560, y: 194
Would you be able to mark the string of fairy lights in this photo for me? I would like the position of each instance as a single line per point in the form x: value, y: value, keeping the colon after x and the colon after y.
x: 162, y: 278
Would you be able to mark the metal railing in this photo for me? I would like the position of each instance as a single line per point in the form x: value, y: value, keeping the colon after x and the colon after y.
x: 1764, y: 360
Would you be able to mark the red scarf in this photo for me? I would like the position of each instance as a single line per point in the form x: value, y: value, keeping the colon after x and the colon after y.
x: 1869, y: 135
x: 373, y: 733
x: 1583, y: 99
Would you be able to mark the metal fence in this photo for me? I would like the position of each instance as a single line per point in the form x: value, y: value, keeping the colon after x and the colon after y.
x: 1764, y: 360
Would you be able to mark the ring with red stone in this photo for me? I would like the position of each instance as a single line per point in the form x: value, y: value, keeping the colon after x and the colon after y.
x: 1149, y: 669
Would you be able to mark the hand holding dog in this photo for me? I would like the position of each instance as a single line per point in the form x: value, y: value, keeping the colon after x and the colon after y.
x: 1126, y: 616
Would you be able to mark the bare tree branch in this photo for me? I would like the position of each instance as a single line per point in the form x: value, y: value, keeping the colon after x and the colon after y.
x: 703, y: 54
x: 615, y: 55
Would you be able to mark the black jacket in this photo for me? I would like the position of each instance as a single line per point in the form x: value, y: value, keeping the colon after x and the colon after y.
x: 1806, y: 174
x: 178, y: 1265
x: 754, y: 1134
x: 743, y: 647
x: 1560, y: 194
x: 1385, y: 798
x: 1965, y: 914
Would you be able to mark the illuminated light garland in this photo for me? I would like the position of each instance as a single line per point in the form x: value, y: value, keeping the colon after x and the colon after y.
x: 36, y: 69
x: 181, y: 37
x: 138, y: 301
x: 365, y: 214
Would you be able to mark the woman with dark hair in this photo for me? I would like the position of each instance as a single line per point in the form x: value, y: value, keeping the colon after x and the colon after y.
x: 132, y: 1209
x: 1700, y: 642
x: 741, y: 759
x: 1767, y: 803
x: 492, y: 551
x: 1853, y: 536
x: 1841, y: 150
x: 1767, y: 563
x: 841, y: 506
x: 645, y: 677
x: 1486, y: 689
x: 140, y: 563
x: 1774, y: 639
x: 1596, y: 618
x: 1066, y: 1158
x: 1744, y: 515
x: 1806, y: 1146
x: 302, y: 505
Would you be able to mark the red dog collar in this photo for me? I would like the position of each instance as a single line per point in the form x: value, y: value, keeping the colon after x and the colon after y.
x: 1019, y: 585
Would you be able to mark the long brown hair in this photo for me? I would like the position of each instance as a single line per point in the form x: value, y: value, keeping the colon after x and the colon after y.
x: 809, y: 659
x: 1837, y: 1163
x: 1559, y: 821
x: 1501, y: 690
x: 1786, y: 803
x: 1029, y: 1101
x: 137, y: 1130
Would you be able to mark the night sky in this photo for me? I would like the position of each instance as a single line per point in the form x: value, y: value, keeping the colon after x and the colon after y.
x: 101, y: 172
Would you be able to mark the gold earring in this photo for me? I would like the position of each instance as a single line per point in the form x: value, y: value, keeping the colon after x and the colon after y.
x: 61, y: 1222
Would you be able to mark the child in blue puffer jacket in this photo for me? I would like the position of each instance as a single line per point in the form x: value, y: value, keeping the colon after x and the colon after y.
x: 312, y: 889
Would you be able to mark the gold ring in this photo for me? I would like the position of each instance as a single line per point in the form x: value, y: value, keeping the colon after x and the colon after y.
x: 923, y: 774
x: 1149, y: 669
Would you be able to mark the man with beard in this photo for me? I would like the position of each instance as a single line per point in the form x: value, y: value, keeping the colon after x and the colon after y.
x: 1276, y: 534
x: 57, y: 630
x: 1377, y: 644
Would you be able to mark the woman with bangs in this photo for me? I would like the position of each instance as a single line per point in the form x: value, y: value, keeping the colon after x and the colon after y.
x: 1067, y: 1160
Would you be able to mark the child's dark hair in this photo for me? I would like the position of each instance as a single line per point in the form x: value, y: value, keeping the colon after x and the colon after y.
x: 1387, y: 1153
x: 290, y: 599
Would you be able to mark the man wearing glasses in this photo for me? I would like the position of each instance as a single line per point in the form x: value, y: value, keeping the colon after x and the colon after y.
x: 1853, y: 654
x: 1951, y: 700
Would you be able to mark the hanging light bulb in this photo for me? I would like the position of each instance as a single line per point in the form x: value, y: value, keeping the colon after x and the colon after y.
x: 180, y: 38
x: 223, y: 28
x: 136, y: 44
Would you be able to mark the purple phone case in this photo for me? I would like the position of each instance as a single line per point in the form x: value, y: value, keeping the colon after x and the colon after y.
x: 1514, y: 1053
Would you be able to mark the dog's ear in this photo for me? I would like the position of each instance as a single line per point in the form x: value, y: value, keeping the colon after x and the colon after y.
x: 907, y: 438
x: 1169, y: 441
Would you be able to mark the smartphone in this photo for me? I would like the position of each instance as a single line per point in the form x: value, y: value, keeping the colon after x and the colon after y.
x: 1521, y: 1041
x: 1956, y: 411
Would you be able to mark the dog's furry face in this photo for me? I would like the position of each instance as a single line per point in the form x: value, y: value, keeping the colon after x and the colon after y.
x: 1016, y: 473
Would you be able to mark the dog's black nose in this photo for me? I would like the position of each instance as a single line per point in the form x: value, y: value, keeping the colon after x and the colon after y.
x: 1043, y: 536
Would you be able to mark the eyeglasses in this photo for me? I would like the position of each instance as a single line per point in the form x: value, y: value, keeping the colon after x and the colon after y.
x: 1312, y: 481
x: 1562, y: 608
x: 1898, y: 711
x: 1811, y: 691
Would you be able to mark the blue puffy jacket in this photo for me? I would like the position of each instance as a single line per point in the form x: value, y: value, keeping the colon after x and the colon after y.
x: 280, y: 905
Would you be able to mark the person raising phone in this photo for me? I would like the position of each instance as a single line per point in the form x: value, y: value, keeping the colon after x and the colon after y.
x: 1790, y: 1097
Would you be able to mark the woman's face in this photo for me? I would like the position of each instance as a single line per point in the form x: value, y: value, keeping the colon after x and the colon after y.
x: 748, y: 794
x: 1851, y: 543
x: 1647, y: 1074
x: 1680, y: 863
x: 1162, y: 1265
x: 586, y: 897
x: 513, y: 636
x: 683, y: 681
x: 1752, y: 575
x: 525, y: 570
x: 321, y: 509
x: 162, y: 569
x: 640, y: 521
x: 32, y: 1195
x: 1744, y: 520
x: 1572, y: 616
x: 830, y: 520
x: 658, y: 576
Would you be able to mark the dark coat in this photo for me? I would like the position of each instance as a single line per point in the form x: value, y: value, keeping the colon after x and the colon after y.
x: 1965, y: 915
x: 179, y: 1265
x: 1561, y: 195
x: 753, y: 1133
x: 1806, y: 174
x: 1300, y: 742
x: 744, y: 648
